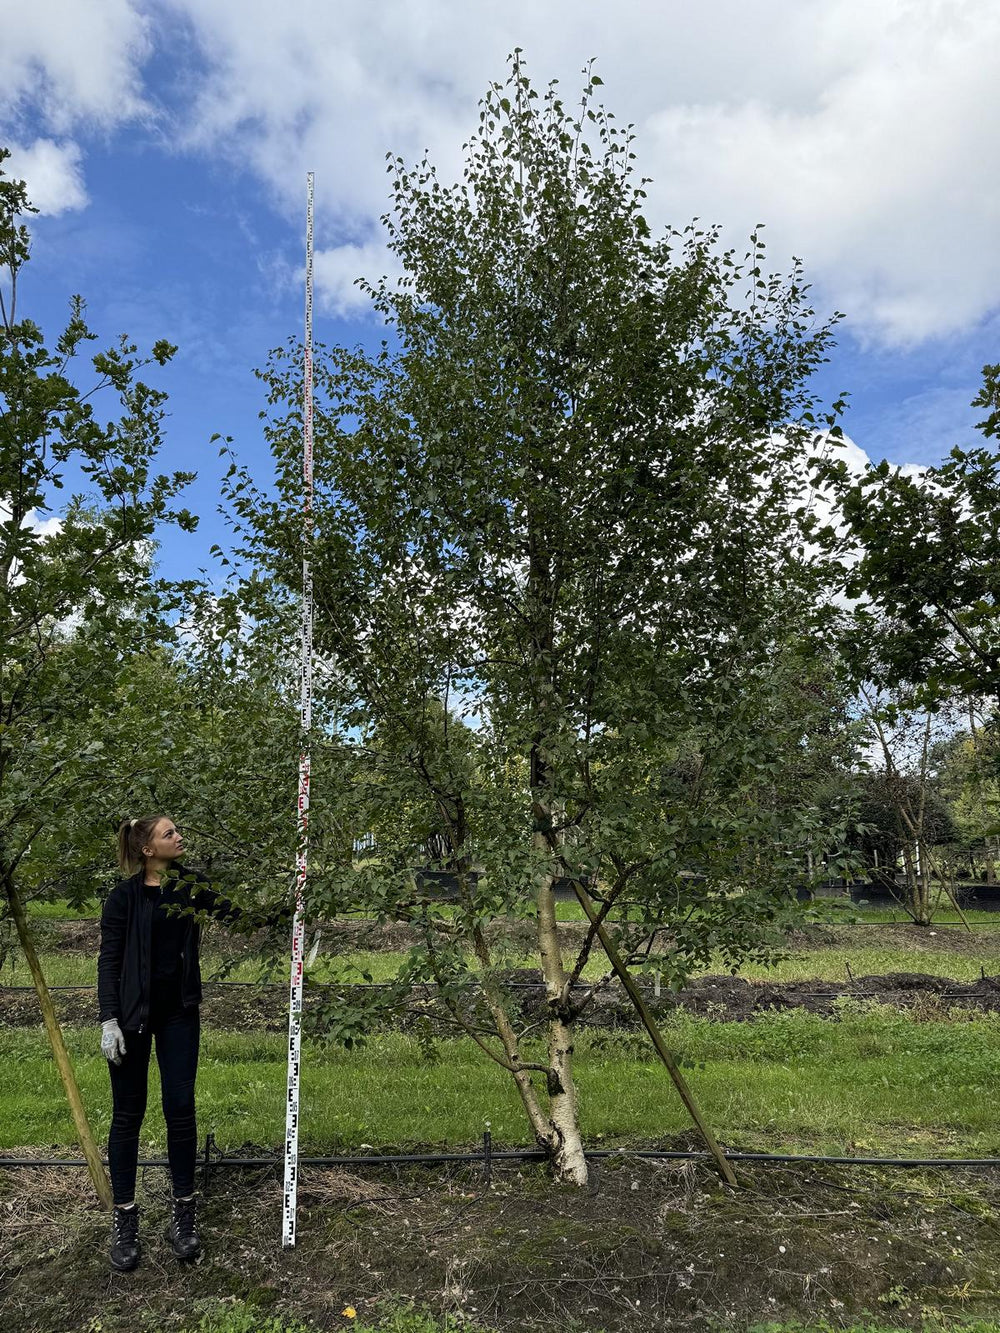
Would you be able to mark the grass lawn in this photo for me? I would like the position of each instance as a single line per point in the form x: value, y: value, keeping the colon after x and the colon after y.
x: 246, y: 1319
x: 865, y: 1080
x: 874, y: 1081
x: 865, y: 956
x: 62, y: 911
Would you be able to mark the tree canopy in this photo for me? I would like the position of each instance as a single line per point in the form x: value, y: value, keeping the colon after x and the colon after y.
x: 561, y: 585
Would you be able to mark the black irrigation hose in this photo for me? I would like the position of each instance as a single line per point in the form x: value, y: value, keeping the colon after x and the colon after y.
x: 904, y: 921
x: 894, y: 921
x: 537, y: 1154
x: 536, y: 985
x: 321, y: 985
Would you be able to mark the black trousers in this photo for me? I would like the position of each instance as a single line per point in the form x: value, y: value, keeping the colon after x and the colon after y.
x: 177, y: 1034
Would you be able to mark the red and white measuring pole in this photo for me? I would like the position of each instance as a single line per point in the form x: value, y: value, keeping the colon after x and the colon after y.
x: 302, y: 861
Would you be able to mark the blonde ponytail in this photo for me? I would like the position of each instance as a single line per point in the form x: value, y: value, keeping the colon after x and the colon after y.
x: 133, y: 834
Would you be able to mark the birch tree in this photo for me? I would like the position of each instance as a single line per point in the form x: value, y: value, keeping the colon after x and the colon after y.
x: 560, y: 589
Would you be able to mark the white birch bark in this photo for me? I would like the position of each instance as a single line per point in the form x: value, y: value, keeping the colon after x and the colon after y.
x: 569, y: 1163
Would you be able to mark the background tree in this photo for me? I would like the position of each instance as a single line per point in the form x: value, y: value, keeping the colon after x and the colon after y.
x: 904, y: 812
x: 556, y: 508
x: 76, y: 602
x: 925, y: 562
x: 968, y: 768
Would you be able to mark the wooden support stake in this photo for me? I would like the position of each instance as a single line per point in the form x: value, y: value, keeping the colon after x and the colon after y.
x: 680, y: 1083
x: 83, y: 1131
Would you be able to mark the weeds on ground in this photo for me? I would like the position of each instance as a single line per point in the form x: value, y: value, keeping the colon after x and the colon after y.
x: 935, y: 1326
x: 244, y: 1318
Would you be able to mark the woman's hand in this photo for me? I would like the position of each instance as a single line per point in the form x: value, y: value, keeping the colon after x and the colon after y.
x: 112, y: 1041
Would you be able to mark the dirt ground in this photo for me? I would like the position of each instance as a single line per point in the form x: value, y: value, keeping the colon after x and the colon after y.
x: 648, y: 1246
x: 722, y: 998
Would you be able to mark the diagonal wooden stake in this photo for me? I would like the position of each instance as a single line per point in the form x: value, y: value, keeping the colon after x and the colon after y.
x: 634, y: 994
x: 63, y: 1063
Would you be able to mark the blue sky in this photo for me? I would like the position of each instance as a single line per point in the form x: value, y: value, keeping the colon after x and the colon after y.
x: 168, y: 142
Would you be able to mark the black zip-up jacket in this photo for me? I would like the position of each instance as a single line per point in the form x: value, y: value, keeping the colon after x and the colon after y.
x: 124, y: 964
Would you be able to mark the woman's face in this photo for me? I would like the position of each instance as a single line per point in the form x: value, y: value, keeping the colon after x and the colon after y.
x: 166, y: 843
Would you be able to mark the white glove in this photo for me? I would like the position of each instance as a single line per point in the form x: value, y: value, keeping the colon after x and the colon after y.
x: 112, y: 1041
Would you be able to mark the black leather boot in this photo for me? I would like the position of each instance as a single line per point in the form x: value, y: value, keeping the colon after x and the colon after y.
x: 124, y: 1238
x: 182, y: 1233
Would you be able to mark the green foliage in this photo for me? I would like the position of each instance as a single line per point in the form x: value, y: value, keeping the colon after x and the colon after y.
x: 878, y: 797
x: 219, y: 748
x: 925, y: 559
x: 562, y: 597
x: 120, y: 694
x: 243, y: 1318
x: 968, y: 774
x: 78, y: 605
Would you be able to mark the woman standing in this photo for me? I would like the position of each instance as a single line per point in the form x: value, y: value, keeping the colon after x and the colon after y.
x: 149, y: 989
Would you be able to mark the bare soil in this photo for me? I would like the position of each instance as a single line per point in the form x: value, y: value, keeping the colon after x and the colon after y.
x: 647, y: 1247
x: 722, y: 998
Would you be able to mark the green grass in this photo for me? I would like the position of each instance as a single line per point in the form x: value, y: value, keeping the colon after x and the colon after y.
x: 60, y: 910
x: 931, y: 1326
x: 875, y: 1079
x: 829, y: 963
x: 843, y: 909
x: 244, y: 1318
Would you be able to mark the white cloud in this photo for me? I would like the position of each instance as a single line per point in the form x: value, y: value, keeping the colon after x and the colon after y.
x: 66, y: 64
x: 45, y: 527
x: 52, y: 173
x: 880, y: 181
x: 336, y: 272
x: 73, y: 60
x: 861, y: 133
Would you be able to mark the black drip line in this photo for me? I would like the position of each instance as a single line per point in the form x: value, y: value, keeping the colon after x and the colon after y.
x: 842, y: 925
x: 487, y: 1155
x: 852, y: 991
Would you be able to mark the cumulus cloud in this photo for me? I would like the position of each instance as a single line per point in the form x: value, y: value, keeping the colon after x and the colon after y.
x: 338, y: 269
x: 52, y: 172
x: 860, y: 133
x: 45, y: 527
x: 73, y: 60
x: 66, y: 64
x: 879, y: 179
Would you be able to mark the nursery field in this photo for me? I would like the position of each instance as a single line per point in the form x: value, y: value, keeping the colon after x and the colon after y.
x: 880, y: 1041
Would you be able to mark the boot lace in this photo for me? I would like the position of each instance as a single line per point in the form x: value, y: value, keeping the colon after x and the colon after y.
x: 126, y: 1224
x: 184, y: 1219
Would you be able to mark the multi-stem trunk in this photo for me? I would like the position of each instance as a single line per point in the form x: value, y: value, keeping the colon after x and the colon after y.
x: 566, y: 1144
x: 917, y: 887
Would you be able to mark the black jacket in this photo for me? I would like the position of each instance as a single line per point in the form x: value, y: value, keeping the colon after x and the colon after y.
x: 124, y: 965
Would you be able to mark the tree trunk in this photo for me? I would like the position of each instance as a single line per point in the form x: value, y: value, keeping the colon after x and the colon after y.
x: 914, y: 888
x: 508, y: 1037
x: 84, y: 1133
x: 568, y: 1160
x: 566, y: 1145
